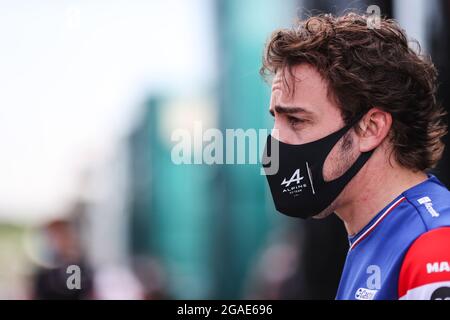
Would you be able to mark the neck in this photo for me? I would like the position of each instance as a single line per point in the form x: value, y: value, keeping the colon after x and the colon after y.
x: 375, y: 186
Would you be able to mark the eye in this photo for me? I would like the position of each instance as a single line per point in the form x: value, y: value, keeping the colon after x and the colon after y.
x: 293, y: 121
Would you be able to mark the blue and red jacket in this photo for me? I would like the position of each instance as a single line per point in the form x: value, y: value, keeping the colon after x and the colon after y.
x: 404, y: 252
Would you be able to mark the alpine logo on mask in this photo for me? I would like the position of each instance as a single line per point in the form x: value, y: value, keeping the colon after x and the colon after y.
x: 297, y: 182
x: 295, y: 178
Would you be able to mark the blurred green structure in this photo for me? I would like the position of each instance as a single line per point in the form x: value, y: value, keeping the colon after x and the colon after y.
x: 171, y: 209
x: 244, y: 27
x: 207, y: 224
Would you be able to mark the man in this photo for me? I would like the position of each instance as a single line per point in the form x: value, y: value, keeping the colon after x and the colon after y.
x: 357, y: 127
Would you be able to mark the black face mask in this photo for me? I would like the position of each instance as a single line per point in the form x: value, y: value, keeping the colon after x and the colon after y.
x: 298, y: 188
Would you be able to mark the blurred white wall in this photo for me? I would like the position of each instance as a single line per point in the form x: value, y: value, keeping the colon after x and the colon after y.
x: 72, y: 74
x: 412, y: 16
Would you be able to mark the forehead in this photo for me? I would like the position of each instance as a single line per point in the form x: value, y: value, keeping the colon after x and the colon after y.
x: 302, y: 86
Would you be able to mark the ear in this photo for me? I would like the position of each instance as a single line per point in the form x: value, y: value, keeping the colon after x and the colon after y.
x: 374, y: 127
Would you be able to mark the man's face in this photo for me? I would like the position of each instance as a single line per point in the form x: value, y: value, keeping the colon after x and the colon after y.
x: 307, y: 114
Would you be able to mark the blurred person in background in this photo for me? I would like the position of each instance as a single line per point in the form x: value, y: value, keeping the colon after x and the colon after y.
x: 64, y: 249
x: 150, y: 273
x: 357, y: 128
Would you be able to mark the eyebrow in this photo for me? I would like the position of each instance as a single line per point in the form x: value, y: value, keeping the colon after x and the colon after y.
x: 290, y: 110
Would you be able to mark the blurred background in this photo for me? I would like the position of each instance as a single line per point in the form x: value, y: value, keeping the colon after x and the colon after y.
x: 91, y: 92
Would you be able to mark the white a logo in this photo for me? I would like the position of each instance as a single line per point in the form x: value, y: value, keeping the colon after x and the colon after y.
x: 295, y: 178
x: 374, y: 280
x: 74, y: 280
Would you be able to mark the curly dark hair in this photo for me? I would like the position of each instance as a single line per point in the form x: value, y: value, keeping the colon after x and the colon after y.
x: 367, y: 67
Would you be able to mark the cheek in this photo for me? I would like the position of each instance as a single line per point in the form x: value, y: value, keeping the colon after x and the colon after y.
x: 329, y: 167
x: 339, y: 161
